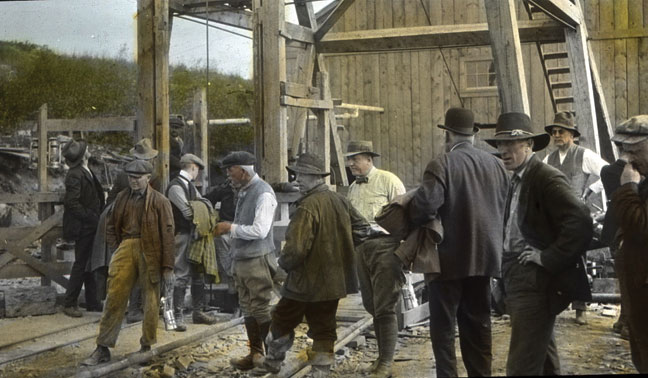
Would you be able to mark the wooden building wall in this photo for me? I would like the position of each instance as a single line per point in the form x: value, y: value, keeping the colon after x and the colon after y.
x: 415, y: 87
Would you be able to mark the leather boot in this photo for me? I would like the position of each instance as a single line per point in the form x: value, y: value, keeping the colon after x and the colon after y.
x: 277, y: 348
x: 178, y: 306
x: 100, y: 355
x: 255, y: 357
x: 198, y: 297
x: 581, y: 318
x: 388, y: 330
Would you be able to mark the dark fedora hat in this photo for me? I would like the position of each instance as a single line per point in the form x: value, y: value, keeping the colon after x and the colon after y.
x: 238, y: 158
x: 73, y: 152
x: 460, y: 121
x: 517, y: 126
x: 357, y: 147
x: 309, y: 164
x: 564, y: 120
x: 144, y: 150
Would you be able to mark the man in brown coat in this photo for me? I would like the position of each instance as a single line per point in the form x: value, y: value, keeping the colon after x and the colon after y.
x: 630, y: 206
x: 466, y: 187
x: 318, y: 257
x: 141, y: 227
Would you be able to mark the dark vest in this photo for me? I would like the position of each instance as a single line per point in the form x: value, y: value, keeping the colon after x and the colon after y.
x: 182, y: 225
x: 245, y: 211
x: 572, y: 167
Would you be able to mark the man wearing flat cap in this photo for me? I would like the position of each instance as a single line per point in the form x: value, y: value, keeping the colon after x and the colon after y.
x: 181, y: 192
x: 466, y: 188
x: 546, y: 232
x: 379, y: 270
x: 141, y: 228
x: 82, y: 205
x: 252, y: 251
x: 579, y: 165
x: 630, y: 206
x: 318, y: 257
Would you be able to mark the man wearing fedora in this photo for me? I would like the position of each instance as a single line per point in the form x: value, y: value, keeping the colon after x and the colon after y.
x: 140, y: 227
x: 379, y: 270
x: 546, y: 231
x: 578, y: 164
x: 318, y: 257
x: 630, y: 206
x: 466, y: 188
x: 252, y: 251
x: 82, y: 205
x: 181, y: 191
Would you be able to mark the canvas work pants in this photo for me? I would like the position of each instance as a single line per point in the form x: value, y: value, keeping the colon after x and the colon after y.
x: 466, y: 304
x: 532, y: 349
x: 128, y: 266
x: 254, y: 284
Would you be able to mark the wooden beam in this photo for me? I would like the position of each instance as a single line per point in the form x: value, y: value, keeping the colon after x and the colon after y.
x: 428, y: 37
x: 582, y: 88
x: 145, y: 71
x: 92, y: 124
x: 507, y: 55
x: 299, y: 90
x: 308, y: 103
x: 297, y: 32
x: 327, y: 24
x: 306, y: 14
x: 562, y: 11
x: 302, y: 72
x: 238, y: 19
x: 24, y: 270
x: 201, y: 132
x: 600, y: 35
x: 42, y: 148
x: 161, y: 88
x: 34, y: 197
x: 321, y: 138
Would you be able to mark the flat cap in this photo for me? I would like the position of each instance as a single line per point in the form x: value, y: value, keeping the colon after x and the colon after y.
x: 138, y: 167
x: 238, y: 158
x: 631, y: 131
x: 191, y: 158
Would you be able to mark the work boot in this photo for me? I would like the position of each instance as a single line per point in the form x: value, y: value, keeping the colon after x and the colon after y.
x: 580, y: 317
x: 388, y: 330
x: 321, y: 361
x: 72, y: 311
x: 277, y: 348
x: 255, y: 356
x: 198, y: 299
x: 178, y: 305
x: 99, y: 356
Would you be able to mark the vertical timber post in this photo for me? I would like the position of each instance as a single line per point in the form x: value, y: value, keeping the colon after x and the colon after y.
x: 322, y: 136
x: 507, y: 55
x: 45, y: 210
x: 270, y: 69
x: 201, y: 132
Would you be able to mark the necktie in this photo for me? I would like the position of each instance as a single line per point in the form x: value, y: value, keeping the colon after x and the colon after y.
x: 362, y: 180
x: 515, y: 180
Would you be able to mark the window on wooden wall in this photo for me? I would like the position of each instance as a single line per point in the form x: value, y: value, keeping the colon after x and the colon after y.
x: 477, y: 77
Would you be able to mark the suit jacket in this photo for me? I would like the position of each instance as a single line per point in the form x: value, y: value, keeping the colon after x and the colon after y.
x: 611, y: 178
x: 553, y: 220
x: 83, y: 203
x: 467, y: 188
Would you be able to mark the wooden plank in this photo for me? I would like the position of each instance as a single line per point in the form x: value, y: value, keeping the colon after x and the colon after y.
x: 512, y: 88
x: 643, y: 75
x: 370, y: 14
x: 415, y: 142
x: 126, y: 124
x: 308, y: 103
x: 348, y: 21
x: 620, y: 61
x: 327, y: 24
x: 537, y: 88
x: 398, y: 13
x: 302, y: 73
x: 372, y: 94
x: 24, y: 270
x: 161, y: 89
x: 607, y: 57
x: 393, y: 60
x: 360, y: 9
x: 427, y: 37
x: 406, y: 159
x: 365, y: 63
x: 321, y: 138
x: 42, y: 148
x: 35, y: 197
x: 201, y: 132
x: 299, y: 90
x: 447, y: 12
x: 145, y: 77
x: 562, y: 10
x: 425, y: 115
x: 438, y: 107
x: 240, y: 20
x: 632, y: 32
x: 384, y: 93
x: 305, y: 14
x: 635, y: 20
x: 297, y: 32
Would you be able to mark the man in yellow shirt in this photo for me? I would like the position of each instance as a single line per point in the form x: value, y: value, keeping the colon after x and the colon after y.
x: 379, y: 269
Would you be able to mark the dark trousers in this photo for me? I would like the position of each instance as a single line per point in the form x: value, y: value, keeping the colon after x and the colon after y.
x: 79, y: 276
x: 634, y: 299
x: 532, y: 349
x: 466, y: 303
x: 320, y: 317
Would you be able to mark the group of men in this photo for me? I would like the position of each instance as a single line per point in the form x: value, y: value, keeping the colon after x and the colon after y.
x: 530, y: 226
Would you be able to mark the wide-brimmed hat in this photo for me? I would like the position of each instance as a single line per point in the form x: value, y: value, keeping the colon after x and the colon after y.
x: 191, y: 158
x: 631, y: 131
x: 517, y: 126
x: 460, y: 121
x: 309, y: 164
x: 238, y: 158
x: 144, y: 150
x: 73, y: 152
x: 357, y: 147
x: 564, y: 120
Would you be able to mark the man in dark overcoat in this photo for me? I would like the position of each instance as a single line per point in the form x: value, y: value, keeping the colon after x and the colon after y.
x: 630, y: 206
x: 82, y: 205
x: 318, y: 257
x: 466, y: 187
x: 546, y: 231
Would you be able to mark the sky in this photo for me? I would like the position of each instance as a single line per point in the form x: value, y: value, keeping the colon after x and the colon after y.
x: 107, y: 28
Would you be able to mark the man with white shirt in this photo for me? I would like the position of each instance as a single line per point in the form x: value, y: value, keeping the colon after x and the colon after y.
x: 251, y: 250
x: 578, y: 164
